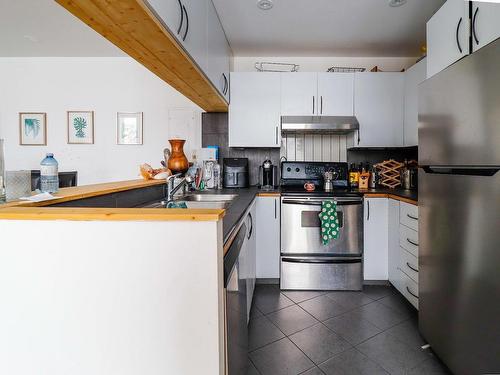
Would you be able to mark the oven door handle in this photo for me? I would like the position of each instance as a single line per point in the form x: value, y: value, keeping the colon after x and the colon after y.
x: 319, y: 202
x: 322, y: 261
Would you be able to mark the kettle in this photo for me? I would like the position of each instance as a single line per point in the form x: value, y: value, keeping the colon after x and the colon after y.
x: 409, y: 178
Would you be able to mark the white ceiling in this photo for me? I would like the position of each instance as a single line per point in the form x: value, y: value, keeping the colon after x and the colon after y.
x: 326, y: 27
x: 44, y: 28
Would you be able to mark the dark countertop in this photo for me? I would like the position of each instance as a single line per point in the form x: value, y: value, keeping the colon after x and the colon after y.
x: 407, y: 194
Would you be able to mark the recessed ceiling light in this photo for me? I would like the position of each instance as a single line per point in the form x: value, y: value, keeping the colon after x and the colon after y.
x: 396, y: 3
x: 265, y: 4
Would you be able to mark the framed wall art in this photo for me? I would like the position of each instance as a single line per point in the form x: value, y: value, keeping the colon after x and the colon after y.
x: 80, y: 127
x: 32, y: 128
x: 129, y: 128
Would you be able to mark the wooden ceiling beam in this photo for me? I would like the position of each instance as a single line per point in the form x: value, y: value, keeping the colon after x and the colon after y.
x: 132, y: 27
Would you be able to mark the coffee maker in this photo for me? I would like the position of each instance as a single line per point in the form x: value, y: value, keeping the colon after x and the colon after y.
x: 268, y: 175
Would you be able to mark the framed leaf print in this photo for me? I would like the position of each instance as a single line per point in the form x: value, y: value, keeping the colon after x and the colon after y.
x: 129, y: 128
x: 80, y: 127
x: 32, y: 128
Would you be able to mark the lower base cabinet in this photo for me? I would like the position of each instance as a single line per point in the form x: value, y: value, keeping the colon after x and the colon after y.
x: 268, y: 237
x: 394, y: 258
x: 375, y: 258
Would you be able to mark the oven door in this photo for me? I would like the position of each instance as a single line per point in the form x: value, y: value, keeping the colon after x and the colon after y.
x: 301, y: 227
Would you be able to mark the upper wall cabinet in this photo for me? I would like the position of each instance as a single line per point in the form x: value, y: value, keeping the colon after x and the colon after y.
x: 197, y: 27
x: 336, y: 94
x: 298, y: 94
x: 413, y: 77
x: 378, y: 99
x: 447, y: 35
x: 485, y: 23
x: 254, y: 113
x: 312, y: 94
x: 218, y: 53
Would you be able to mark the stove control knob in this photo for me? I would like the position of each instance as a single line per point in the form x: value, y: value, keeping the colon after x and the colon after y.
x: 297, y: 170
x: 335, y: 175
x: 289, y: 169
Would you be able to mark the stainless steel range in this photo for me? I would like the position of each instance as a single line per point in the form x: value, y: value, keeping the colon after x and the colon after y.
x: 305, y: 262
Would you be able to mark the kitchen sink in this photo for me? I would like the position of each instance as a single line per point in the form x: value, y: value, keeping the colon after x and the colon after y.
x: 208, y: 197
x: 209, y: 201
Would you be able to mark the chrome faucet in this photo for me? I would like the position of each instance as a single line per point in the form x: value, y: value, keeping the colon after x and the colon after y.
x: 171, y: 189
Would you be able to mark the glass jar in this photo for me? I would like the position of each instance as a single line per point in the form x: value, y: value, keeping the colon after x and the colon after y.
x: 2, y: 173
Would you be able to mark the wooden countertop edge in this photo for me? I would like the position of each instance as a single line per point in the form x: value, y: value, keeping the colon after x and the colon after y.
x: 392, y: 196
x: 110, y: 214
x: 269, y: 194
x: 86, y: 191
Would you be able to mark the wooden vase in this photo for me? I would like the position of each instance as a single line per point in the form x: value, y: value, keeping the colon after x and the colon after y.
x: 177, y: 162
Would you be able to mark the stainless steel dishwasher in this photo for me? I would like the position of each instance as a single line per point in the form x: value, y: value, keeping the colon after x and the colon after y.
x: 235, y: 290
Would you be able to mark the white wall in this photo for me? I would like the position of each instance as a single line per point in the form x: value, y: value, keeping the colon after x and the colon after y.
x: 106, y: 86
x: 321, y: 64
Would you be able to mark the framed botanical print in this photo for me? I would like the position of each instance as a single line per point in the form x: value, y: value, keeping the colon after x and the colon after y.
x: 129, y: 128
x: 80, y: 127
x: 32, y: 128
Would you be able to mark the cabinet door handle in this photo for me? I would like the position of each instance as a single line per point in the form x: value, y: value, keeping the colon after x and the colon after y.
x: 313, y: 105
x: 182, y: 17
x: 276, y: 134
x: 321, y: 104
x: 251, y: 225
x: 368, y: 210
x: 409, y: 291
x: 275, y: 210
x: 457, y: 35
x: 474, y: 26
x: 410, y: 267
x: 412, y: 217
x: 412, y: 242
x: 187, y: 23
x: 225, y: 87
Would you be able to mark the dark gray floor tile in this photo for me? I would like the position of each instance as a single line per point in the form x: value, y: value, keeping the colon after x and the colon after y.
x: 299, y: 296
x: 319, y: 343
x: 255, y: 312
x: 393, y: 355
x: 268, y: 298
x: 292, y: 319
x: 251, y: 370
x: 380, y: 315
x: 407, y: 332
x: 323, y: 307
x: 432, y: 366
x: 378, y: 291
x: 262, y: 332
x: 350, y: 299
x: 352, y: 328
x: 313, y: 371
x: 280, y: 358
x: 399, y: 303
x: 351, y: 362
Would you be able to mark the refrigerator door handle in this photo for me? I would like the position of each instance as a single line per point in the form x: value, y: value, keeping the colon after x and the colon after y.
x: 465, y: 171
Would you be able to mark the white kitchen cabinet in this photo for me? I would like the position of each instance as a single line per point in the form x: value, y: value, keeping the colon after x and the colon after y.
x: 299, y: 94
x: 375, y: 255
x: 268, y: 237
x: 394, y: 252
x: 448, y: 33
x: 378, y: 106
x: 218, y: 52
x: 413, y: 77
x: 485, y: 23
x: 171, y: 14
x: 335, y: 94
x: 194, y: 34
x: 254, y: 113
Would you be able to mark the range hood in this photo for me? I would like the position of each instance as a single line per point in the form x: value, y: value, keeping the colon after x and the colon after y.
x: 339, y: 125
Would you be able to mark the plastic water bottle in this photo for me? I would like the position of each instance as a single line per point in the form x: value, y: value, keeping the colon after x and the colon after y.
x: 49, y: 174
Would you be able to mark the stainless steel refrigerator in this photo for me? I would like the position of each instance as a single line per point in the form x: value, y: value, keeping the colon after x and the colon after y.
x: 459, y: 220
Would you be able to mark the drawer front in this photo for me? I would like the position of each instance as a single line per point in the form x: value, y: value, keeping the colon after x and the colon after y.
x: 410, y: 289
x: 408, y: 239
x: 408, y: 215
x: 409, y: 264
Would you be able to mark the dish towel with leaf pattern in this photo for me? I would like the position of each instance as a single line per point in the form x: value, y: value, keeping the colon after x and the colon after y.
x: 329, y: 222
